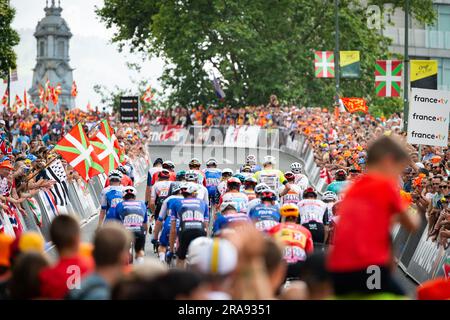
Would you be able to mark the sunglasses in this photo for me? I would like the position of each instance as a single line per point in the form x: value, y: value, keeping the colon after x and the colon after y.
x: 443, y: 186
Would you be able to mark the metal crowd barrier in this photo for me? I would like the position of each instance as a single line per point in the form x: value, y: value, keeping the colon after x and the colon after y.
x: 83, y: 203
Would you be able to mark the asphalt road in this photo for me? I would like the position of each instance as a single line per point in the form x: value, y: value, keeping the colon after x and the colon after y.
x: 228, y: 159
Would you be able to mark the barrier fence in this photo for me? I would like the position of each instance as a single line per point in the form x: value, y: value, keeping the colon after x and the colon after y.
x: 83, y: 202
x: 420, y: 258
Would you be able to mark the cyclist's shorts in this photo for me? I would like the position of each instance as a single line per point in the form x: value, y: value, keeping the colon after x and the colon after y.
x: 317, y: 231
x: 185, y: 239
x: 294, y: 269
x: 139, y: 241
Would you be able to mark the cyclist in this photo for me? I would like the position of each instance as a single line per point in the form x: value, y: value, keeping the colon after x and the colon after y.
x: 195, y: 165
x: 228, y: 214
x: 270, y: 176
x: 249, y: 188
x: 259, y: 188
x: 110, y: 197
x: 181, y: 176
x: 227, y: 173
x: 160, y: 191
x: 291, y: 192
x: 246, y: 171
x: 163, y: 222
x: 297, y: 240
x: 234, y: 195
x: 340, y: 182
x: 251, y: 161
x: 213, y: 176
x: 157, y: 166
x: 134, y: 217
x: 300, y: 179
x: 192, y: 177
x: 266, y: 214
x: 314, y: 216
x: 169, y: 166
x: 193, y: 214
x: 330, y: 198
x: 125, y: 181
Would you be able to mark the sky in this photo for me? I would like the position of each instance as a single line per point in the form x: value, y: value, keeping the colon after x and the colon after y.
x: 94, y: 58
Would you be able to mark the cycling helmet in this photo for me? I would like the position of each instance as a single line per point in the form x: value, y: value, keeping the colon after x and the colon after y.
x: 181, y: 174
x: 296, y: 167
x: 211, y: 162
x: 190, y: 188
x: 341, y: 172
x: 250, y: 180
x: 129, y: 190
x: 194, y: 163
x: 261, y: 187
x: 289, y: 175
x: 168, y: 165
x: 165, y: 174
x: 176, y: 186
x: 228, y: 204
x: 329, y: 196
x: 246, y: 168
x: 115, y: 175
x: 122, y: 169
x: 309, y: 190
x: 233, y: 181
x: 268, y: 195
x: 269, y: 160
x: 250, y: 160
x: 289, y: 210
x: 227, y: 171
x: 240, y: 177
x: 191, y: 175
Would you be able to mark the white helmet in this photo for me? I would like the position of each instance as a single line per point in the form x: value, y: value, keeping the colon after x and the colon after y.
x: 191, y: 175
x: 190, y: 188
x: 226, y: 204
x: 115, y: 174
x: 227, y: 171
x: 329, y: 196
x: 251, y: 159
x: 211, y: 162
x: 129, y: 190
x: 261, y: 187
x: 296, y: 167
x: 269, y: 160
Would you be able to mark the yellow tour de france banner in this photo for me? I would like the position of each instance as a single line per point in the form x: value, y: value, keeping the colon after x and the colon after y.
x: 349, y: 62
x: 424, y: 74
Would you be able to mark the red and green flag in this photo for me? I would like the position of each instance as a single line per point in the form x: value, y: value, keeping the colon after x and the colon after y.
x: 388, y: 78
x: 76, y: 149
x: 107, y: 147
x: 324, y: 64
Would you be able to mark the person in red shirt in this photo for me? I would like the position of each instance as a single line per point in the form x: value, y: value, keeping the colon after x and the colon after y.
x: 362, y: 234
x: 169, y: 166
x: 66, y: 274
x: 124, y: 181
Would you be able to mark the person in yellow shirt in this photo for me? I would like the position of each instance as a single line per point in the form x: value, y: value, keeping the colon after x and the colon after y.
x: 272, y: 177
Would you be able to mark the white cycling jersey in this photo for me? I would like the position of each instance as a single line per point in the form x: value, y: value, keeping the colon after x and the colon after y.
x: 312, y: 210
x: 222, y: 187
x: 238, y: 198
x: 301, y: 180
x: 161, y: 189
x: 293, y: 195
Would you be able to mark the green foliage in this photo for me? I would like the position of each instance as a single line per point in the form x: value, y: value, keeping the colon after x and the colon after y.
x: 260, y: 47
x: 8, y: 39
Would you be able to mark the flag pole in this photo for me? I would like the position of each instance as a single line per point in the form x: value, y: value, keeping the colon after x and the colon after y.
x: 406, y: 68
x: 336, y: 49
x: 9, y: 89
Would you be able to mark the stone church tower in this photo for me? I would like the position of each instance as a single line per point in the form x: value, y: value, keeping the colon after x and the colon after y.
x: 52, y: 59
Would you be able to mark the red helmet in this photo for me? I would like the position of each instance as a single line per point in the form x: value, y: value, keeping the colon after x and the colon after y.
x: 233, y: 180
x: 164, y: 174
x: 289, y: 175
x: 268, y: 195
x: 309, y: 190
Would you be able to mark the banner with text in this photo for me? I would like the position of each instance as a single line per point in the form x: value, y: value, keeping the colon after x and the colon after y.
x: 129, y: 109
x: 428, y: 118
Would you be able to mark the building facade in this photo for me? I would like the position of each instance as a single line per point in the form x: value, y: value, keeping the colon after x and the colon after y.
x: 52, y: 59
x: 426, y: 42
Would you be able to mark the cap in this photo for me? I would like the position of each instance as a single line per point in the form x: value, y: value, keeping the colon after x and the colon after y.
x: 212, y: 256
x: 6, y: 165
x: 5, y: 249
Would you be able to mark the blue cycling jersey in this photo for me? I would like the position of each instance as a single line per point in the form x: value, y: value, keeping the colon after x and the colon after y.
x: 222, y: 221
x: 192, y: 212
x: 110, y: 198
x: 255, y: 168
x: 264, y: 212
x: 132, y: 214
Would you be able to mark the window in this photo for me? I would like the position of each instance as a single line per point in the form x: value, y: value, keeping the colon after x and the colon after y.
x: 60, y: 49
x: 42, y: 48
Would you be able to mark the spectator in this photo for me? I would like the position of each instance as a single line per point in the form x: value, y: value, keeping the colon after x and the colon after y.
x: 5, y: 271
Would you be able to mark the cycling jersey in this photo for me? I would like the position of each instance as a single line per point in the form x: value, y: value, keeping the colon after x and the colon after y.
x: 110, y: 197
x: 202, y: 193
x: 293, y: 195
x: 250, y: 194
x: 133, y: 215
x: 192, y: 212
x: 150, y: 174
x: 239, y: 199
x: 314, y: 216
x: 253, y: 203
x: 301, y: 180
x: 273, y: 178
x: 201, y: 177
x: 255, y: 168
x: 213, y: 177
x: 165, y: 218
x: 247, y: 174
x: 222, y: 221
x: 125, y: 181
x: 337, y: 186
x: 222, y: 187
x: 167, y: 206
x: 265, y: 216
x: 297, y: 241
x: 160, y: 192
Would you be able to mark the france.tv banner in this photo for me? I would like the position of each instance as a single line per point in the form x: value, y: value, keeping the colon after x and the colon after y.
x: 429, y: 117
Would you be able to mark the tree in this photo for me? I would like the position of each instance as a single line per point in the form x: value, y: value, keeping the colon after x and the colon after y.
x: 259, y: 47
x: 8, y: 39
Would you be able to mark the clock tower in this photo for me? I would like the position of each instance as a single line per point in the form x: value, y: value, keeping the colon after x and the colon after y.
x: 52, y: 59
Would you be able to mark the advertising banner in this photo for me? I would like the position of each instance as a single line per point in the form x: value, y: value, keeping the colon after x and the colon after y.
x: 129, y: 109
x: 428, y: 117
x: 242, y: 137
x: 170, y: 134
